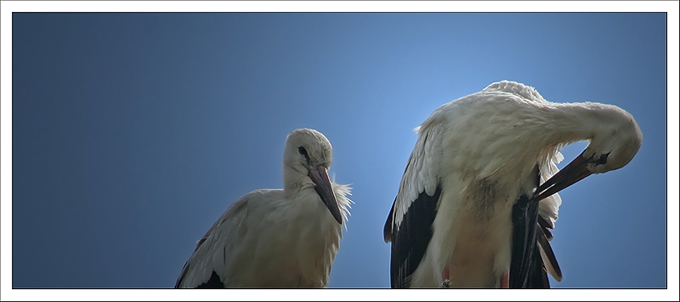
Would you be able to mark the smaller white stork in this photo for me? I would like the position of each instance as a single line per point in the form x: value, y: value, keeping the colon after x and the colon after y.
x: 477, y: 199
x: 273, y: 238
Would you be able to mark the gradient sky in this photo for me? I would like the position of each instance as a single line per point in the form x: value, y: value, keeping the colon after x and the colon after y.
x: 132, y: 133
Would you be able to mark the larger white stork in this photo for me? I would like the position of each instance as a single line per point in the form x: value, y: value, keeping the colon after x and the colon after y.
x: 277, y: 238
x: 477, y: 199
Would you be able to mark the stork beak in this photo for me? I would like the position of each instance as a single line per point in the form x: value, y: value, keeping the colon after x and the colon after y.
x: 323, y: 187
x: 569, y: 175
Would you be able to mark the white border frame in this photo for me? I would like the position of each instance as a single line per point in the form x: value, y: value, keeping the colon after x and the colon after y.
x: 670, y: 7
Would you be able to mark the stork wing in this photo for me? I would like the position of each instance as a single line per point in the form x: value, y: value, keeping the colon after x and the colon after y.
x: 547, y: 216
x: 410, y: 240
x: 409, y: 224
x: 207, y: 266
x: 532, y: 256
x: 526, y: 266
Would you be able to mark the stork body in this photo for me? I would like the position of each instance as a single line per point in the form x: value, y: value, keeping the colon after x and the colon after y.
x: 273, y: 238
x: 477, y: 200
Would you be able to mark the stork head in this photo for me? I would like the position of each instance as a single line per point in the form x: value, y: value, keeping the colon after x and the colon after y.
x: 616, y: 138
x: 307, y: 156
x: 615, y: 142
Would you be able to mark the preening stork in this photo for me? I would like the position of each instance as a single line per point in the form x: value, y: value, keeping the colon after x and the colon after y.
x: 273, y: 238
x: 478, y: 197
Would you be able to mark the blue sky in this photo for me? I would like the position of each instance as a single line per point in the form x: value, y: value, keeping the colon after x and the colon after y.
x: 132, y: 133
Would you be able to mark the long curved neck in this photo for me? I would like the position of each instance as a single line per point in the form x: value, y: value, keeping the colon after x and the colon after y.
x: 526, y: 135
x: 565, y: 123
x: 293, y: 181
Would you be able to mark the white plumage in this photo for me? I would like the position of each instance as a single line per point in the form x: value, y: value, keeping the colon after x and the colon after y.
x: 273, y: 238
x: 466, y: 205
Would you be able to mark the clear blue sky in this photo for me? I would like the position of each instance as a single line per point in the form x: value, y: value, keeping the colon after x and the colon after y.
x: 132, y: 133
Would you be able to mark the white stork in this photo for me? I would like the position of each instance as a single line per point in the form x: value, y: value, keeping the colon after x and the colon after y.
x: 273, y: 238
x: 477, y: 198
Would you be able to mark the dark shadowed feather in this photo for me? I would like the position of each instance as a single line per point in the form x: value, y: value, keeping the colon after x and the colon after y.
x: 545, y: 227
x: 213, y: 282
x: 411, y: 238
x: 526, y: 266
x: 387, y: 231
x: 544, y: 247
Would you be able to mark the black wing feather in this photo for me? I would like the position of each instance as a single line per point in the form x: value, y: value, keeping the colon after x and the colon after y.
x: 543, y: 243
x: 213, y: 282
x: 387, y: 231
x: 545, y: 228
x: 526, y: 268
x: 538, y: 278
x: 411, y: 237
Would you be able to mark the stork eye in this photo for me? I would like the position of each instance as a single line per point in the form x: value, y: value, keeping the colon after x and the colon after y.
x: 303, y: 151
x: 603, y: 159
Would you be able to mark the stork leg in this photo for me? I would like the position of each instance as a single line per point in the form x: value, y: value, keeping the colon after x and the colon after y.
x: 505, y: 280
x: 445, y: 274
